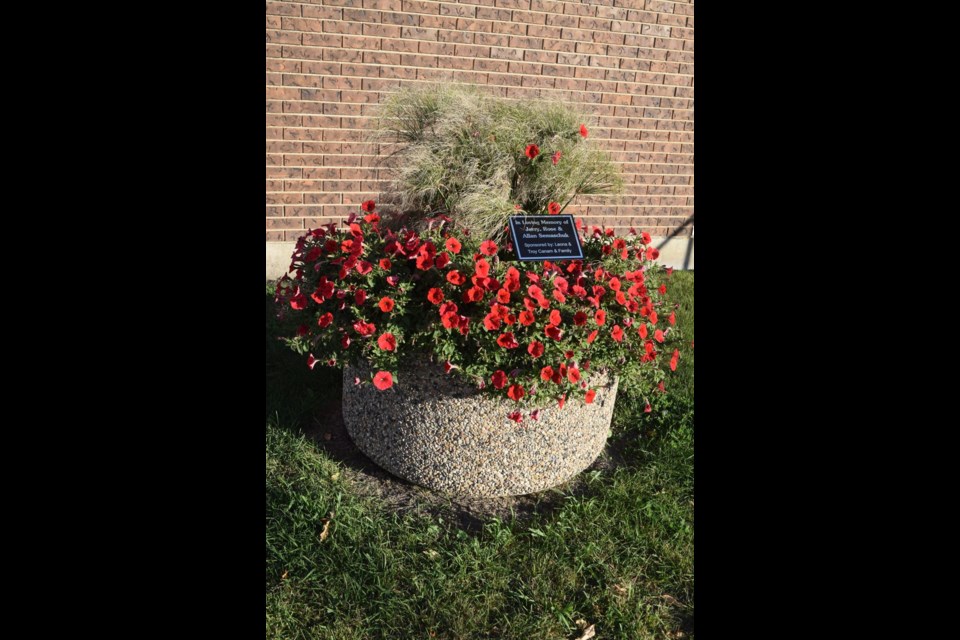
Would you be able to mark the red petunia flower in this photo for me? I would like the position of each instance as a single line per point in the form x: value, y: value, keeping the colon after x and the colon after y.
x: 642, y: 331
x: 386, y: 304
x: 648, y: 347
x: 473, y: 294
x: 579, y: 318
x: 600, y: 317
x: 589, y: 396
x: 368, y: 206
x: 387, y: 342
x: 535, y: 349
x: 673, y: 360
x: 450, y: 320
x: 488, y: 247
x: 456, y: 278
x: 360, y: 297
x: 658, y: 335
x: 562, y: 400
x: 652, y: 253
x: 583, y: 130
x: 526, y: 318
x: 662, y: 289
x: 311, y: 361
x: 424, y: 261
x: 555, y: 317
x: 503, y: 296
x: 573, y: 374
x: 647, y: 408
x: 617, y: 333
x: 448, y: 307
x: 364, y: 328
x: 482, y: 268
x: 325, y: 319
x: 364, y: 267
x: 553, y: 208
x: 491, y: 322
x: 383, y: 380
x: 653, y: 317
x: 546, y: 373
x: 515, y: 392
x: 592, y: 337
x: 615, y: 283
x: 453, y: 245
x: 507, y: 341
x: 385, y: 264
x: 441, y: 261
x: 672, y: 318
x: 298, y: 301
x: 532, y: 151
x: 516, y: 416
x: 435, y: 295
x: 553, y: 332
x: 556, y: 157
x: 645, y: 238
x: 499, y: 379
x: 373, y: 218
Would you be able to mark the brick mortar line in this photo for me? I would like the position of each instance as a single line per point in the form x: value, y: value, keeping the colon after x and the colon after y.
x: 480, y: 6
x: 329, y: 33
x: 455, y: 57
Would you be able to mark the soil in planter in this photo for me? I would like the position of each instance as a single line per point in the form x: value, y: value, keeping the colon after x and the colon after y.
x: 368, y: 479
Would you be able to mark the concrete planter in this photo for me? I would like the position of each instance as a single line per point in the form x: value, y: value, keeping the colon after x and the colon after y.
x: 436, y: 431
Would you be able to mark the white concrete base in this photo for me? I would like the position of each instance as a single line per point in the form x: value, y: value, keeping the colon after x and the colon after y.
x: 675, y: 252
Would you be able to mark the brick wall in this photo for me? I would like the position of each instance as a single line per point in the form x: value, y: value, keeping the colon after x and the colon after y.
x: 629, y: 63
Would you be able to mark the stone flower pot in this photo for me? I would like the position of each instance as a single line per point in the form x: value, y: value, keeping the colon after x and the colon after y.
x: 437, y: 431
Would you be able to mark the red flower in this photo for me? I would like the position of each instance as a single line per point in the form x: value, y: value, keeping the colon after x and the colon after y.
x: 447, y: 367
x: 653, y: 317
x: 579, y: 318
x: 491, y: 322
x: 435, y: 295
x: 568, y: 355
x: 325, y: 319
x: 592, y: 337
x: 448, y: 307
x: 442, y: 260
x: 673, y: 360
x: 345, y: 341
x: 526, y: 318
x: 499, y: 379
x: 368, y: 206
x: 647, y: 408
x: 364, y: 328
x: 562, y: 401
x: 645, y: 237
x: 450, y: 320
x: 546, y: 373
x: 385, y: 264
x: 503, y: 296
x: 453, y: 245
x: 652, y: 253
x: 589, y: 396
x: 615, y: 284
x: 583, y: 130
x: 360, y: 296
x: 642, y: 331
x: 515, y: 392
x: 532, y: 151
x: 387, y: 342
x: 555, y: 317
x: 553, y: 208
x: 648, y: 347
x: 299, y: 301
x: 311, y: 362
x: 658, y: 335
x: 488, y: 247
x: 672, y: 318
x: 516, y: 416
x: 364, y: 267
x: 617, y: 333
x: 424, y: 261
x: 456, y: 278
x: 553, y: 332
x: 556, y: 157
x: 386, y: 304
x: 383, y: 380
x: 573, y: 375
x: 535, y: 349
x: 600, y: 316
x: 371, y: 219
x: 473, y: 294
x: 661, y: 387
x: 507, y: 341
x: 482, y: 268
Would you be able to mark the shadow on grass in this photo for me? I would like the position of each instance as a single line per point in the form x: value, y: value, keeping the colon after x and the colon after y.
x: 309, y: 403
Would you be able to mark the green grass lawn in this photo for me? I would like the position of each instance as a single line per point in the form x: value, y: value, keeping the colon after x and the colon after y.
x: 617, y: 554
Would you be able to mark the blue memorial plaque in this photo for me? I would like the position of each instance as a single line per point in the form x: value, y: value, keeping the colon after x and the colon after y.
x: 545, y: 238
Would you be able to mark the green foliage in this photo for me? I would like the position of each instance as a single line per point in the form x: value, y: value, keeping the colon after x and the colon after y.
x: 459, y: 152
